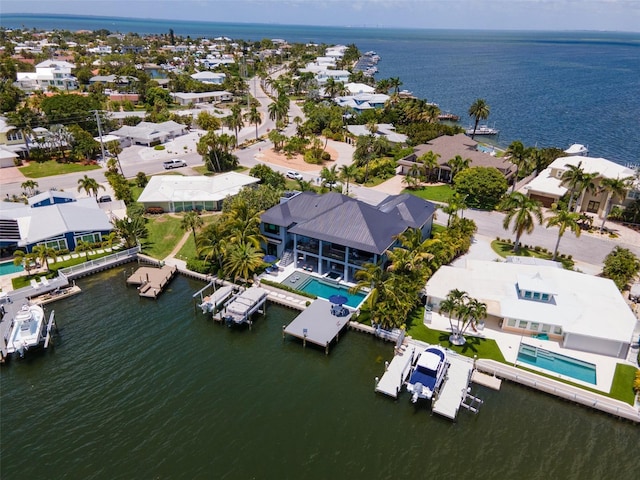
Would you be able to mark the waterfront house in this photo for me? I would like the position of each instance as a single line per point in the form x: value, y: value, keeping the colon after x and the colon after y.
x: 581, y: 312
x: 209, y: 77
x: 56, y: 219
x: 447, y: 147
x: 385, y: 130
x: 175, y: 193
x: 333, y: 234
x: 548, y: 187
x: 188, y: 98
x: 362, y: 101
x: 337, y: 75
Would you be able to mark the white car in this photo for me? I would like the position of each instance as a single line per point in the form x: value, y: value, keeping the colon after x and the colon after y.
x: 174, y: 163
x: 294, y: 175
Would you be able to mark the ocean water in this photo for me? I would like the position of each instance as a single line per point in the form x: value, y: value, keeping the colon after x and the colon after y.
x: 544, y: 88
x: 136, y: 388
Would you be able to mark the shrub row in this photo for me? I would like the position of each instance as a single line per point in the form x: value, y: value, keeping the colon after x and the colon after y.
x: 288, y: 289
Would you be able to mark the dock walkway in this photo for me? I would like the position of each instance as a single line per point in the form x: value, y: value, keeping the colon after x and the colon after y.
x: 396, y: 372
x: 316, y: 324
x: 241, y: 306
x: 152, y: 280
x: 454, y: 389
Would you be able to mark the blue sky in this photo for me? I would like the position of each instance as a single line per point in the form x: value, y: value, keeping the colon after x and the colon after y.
x: 615, y: 15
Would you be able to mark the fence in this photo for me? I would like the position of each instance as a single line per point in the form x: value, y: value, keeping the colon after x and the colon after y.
x: 98, y: 264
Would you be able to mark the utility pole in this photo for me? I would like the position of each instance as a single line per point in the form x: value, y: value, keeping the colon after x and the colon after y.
x: 100, y: 134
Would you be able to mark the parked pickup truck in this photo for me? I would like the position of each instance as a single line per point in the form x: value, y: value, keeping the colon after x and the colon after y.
x: 174, y: 163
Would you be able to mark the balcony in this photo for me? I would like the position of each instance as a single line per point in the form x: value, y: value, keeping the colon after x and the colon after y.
x: 308, y: 248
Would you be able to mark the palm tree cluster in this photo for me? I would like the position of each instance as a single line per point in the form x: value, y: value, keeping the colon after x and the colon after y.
x: 232, y: 244
x: 394, y: 287
x: 467, y: 310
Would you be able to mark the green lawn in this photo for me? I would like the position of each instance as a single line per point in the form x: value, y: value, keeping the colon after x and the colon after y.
x: 50, y: 168
x: 164, y: 234
x: 622, y: 387
x: 505, y: 249
x: 482, y: 347
x: 436, y: 193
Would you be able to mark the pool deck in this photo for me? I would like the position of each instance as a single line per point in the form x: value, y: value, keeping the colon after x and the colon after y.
x: 316, y: 324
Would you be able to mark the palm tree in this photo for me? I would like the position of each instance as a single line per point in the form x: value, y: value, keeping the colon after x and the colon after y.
x: 578, y: 181
x: 115, y: 149
x: 523, y: 211
x: 518, y: 155
x: 29, y: 186
x: 191, y: 221
x: 563, y: 219
x: 479, y: 110
x: 395, y: 83
x: 452, y: 303
x: 329, y: 176
x: 242, y: 260
x: 89, y: 185
x: 211, y: 243
x: 457, y: 164
x: 42, y: 253
x: 614, y: 188
x: 372, y: 277
x: 130, y: 230
x: 429, y: 162
x: 254, y: 117
x: 27, y: 260
x: 348, y: 172
x: 83, y: 247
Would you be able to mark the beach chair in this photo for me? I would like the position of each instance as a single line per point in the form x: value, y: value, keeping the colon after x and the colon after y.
x: 44, y: 281
x: 34, y: 284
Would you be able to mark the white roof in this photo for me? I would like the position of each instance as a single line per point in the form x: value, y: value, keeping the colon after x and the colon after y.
x: 429, y: 360
x: 356, y: 88
x: 174, y: 188
x: 547, y: 183
x: 582, y: 304
x: 206, y: 75
x: 605, y: 168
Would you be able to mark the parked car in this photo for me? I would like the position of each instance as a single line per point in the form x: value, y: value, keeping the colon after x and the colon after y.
x: 104, y: 199
x: 174, y: 163
x: 294, y: 175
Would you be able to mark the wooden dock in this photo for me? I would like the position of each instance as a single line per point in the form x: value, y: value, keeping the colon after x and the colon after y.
x: 151, y: 280
x: 316, y: 324
x: 396, y: 372
x: 56, y: 295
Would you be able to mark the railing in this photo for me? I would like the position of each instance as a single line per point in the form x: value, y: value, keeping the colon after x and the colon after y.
x: 91, y: 265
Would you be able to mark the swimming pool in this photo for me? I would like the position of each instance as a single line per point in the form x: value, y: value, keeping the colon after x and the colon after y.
x: 8, y: 267
x: 322, y: 289
x: 555, y: 362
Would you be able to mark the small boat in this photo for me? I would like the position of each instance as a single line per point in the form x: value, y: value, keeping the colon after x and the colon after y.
x: 428, y: 373
x: 578, y: 150
x: 482, y: 130
x: 28, y: 329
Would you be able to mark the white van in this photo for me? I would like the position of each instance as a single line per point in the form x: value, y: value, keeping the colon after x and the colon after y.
x: 174, y: 163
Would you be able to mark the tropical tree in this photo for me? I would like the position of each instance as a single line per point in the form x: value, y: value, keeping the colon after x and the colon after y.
x: 457, y: 164
x: 522, y: 211
x: 621, y: 265
x: 242, y: 260
x: 347, y: 173
x: 451, y: 306
x: 27, y: 260
x: 615, y: 188
x: 518, y: 155
x: 89, y: 185
x: 578, y: 182
x: 30, y: 186
x: 479, y: 110
x: 43, y: 253
x: 563, y: 219
x: 192, y: 221
x: 115, y: 149
x: 482, y: 187
x: 429, y: 162
x: 254, y: 117
x: 329, y: 176
x: 83, y: 247
x: 211, y: 243
x: 395, y: 83
x: 131, y: 229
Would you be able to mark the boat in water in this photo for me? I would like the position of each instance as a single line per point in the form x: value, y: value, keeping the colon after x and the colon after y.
x: 428, y: 373
x: 577, y: 149
x: 28, y: 330
x: 482, y: 130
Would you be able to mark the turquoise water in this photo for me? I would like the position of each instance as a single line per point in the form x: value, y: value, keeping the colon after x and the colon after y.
x: 325, y: 290
x: 558, y: 363
x: 143, y: 389
x: 8, y: 267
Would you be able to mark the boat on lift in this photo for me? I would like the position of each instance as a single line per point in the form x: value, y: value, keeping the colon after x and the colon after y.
x: 28, y: 330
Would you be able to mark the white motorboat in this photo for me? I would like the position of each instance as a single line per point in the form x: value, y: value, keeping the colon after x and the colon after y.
x: 28, y: 329
x: 428, y: 373
x: 482, y: 130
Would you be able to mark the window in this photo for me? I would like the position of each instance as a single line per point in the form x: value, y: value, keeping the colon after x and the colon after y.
x: 534, y: 326
x: 536, y: 295
x: 593, y: 206
x: 633, y: 194
x: 270, y: 228
x: 527, y: 294
x: 511, y: 322
x: 522, y: 324
x: 545, y: 297
x: 56, y: 244
x: 89, y: 238
x: 557, y: 330
x: 14, y: 135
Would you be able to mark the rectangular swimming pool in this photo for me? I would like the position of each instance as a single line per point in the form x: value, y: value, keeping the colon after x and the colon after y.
x: 322, y: 289
x: 8, y: 267
x: 557, y: 363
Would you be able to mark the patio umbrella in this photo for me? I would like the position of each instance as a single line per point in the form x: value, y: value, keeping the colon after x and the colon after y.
x: 338, y: 299
x: 269, y: 259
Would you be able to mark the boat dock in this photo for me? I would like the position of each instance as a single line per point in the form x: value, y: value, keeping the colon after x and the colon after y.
x: 241, y: 306
x: 454, y: 389
x: 396, y: 372
x: 212, y: 303
x: 152, y: 280
x: 56, y: 295
x: 317, y: 324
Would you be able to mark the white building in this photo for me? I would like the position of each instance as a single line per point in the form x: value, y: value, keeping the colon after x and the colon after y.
x: 337, y: 75
x: 582, y: 312
x: 150, y: 134
x: 187, y: 98
x: 175, y: 193
x: 383, y: 130
x: 50, y: 73
x: 209, y: 77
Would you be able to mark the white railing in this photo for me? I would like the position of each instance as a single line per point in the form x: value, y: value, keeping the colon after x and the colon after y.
x: 98, y: 263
